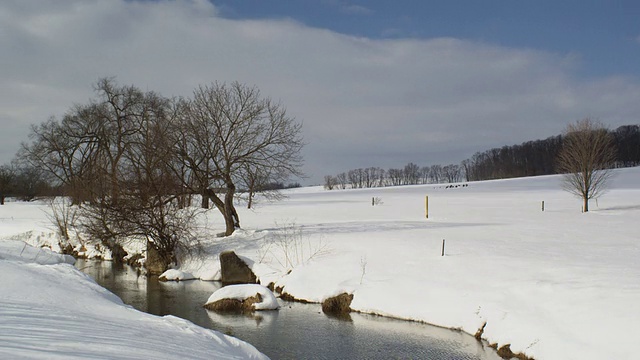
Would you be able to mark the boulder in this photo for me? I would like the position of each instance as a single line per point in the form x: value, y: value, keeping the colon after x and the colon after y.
x: 154, y: 263
x: 234, y: 270
x: 338, y: 305
x: 234, y: 305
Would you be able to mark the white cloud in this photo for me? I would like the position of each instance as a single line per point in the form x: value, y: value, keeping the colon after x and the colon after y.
x: 355, y: 9
x: 363, y: 102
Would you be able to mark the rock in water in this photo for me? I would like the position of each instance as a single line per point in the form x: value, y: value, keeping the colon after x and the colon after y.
x: 235, y: 271
x: 337, y: 305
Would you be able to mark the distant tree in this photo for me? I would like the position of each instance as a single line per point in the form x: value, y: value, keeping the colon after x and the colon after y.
x: 451, y: 173
x: 586, y: 157
x: 465, y: 168
x: 436, y: 173
x: 395, y: 176
x: 30, y: 182
x: 257, y: 180
x: 411, y: 174
x: 424, y: 174
x: 381, y: 177
x: 68, y: 150
x: 341, y: 180
x: 356, y: 178
x: 330, y: 182
x: 7, y: 178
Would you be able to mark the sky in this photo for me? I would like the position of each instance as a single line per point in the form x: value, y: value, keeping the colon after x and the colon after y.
x: 376, y: 83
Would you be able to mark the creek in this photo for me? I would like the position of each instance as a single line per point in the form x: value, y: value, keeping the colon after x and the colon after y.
x: 296, y: 331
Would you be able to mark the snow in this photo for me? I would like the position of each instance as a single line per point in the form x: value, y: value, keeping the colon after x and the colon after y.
x: 245, y: 291
x: 18, y: 251
x: 558, y: 284
x: 50, y: 310
x: 175, y: 275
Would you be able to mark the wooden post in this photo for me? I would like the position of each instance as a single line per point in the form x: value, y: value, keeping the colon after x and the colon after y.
x: 426, y: 206
x: 442, y: 247
x: 542, y: 205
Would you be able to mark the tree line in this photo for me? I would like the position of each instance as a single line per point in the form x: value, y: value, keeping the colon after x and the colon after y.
x: 540, y: 157
x: 531, y: 158
x: 132, y: 160
x: 410, y: 174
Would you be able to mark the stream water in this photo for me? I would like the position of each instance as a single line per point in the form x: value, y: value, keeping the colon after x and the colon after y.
x: 296, y: 331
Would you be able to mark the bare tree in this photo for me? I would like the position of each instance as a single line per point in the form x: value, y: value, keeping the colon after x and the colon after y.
x: 587, y: 155
x: 411, y: 174
x: 260, y: 180
x: 30, y: 183
x: 341, y: 180
x: 146, y: 203
x: 381, y: 177
x: 396, y: 176
x: 352, y: 178
x: 330, y: 182
x: 115, y: 155
x: 436, y: 173
x: 67, y: 150
x: 424, y: 174
x: 451, y: 173
x: 229, y: 129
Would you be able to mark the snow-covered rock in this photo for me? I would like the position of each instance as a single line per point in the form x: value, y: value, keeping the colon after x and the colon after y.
x: 175, y: 275
x: 244, y: 291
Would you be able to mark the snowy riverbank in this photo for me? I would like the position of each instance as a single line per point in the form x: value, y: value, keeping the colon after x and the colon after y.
x: 557, y: 284
x: 50, y: 310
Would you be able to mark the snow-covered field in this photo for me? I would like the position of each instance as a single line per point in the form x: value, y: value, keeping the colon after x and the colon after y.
x: 558, y: 284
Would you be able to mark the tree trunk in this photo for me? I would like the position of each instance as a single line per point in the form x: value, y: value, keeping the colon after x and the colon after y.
x: 226, y: 209
x: 585, y: 206
x: 1, y: 199
x: 250, y: 199
x: 205, y: 200
x: 230, y: 215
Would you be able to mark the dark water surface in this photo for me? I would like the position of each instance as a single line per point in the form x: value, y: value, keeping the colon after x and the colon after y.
x: 296, y: 331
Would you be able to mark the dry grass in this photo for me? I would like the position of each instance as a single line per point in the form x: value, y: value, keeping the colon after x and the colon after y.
x: 506, y: 353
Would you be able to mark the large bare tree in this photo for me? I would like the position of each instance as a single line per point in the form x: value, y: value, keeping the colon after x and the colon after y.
x: 230, y: 131
x: 587, y: 155
x: 113, y: 155
x: 131, y: 158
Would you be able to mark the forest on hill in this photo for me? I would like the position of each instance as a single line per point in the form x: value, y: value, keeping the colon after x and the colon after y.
x: 531, y: 158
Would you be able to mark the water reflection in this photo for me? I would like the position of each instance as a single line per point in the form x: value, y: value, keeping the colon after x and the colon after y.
x: 296, y: 331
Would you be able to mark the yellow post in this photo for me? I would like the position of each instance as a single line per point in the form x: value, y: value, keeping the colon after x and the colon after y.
x: 426, y: 206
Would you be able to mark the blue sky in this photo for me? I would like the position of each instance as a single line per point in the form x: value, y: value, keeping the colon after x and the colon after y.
x: 377, y: 83
x: 604, y: 35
